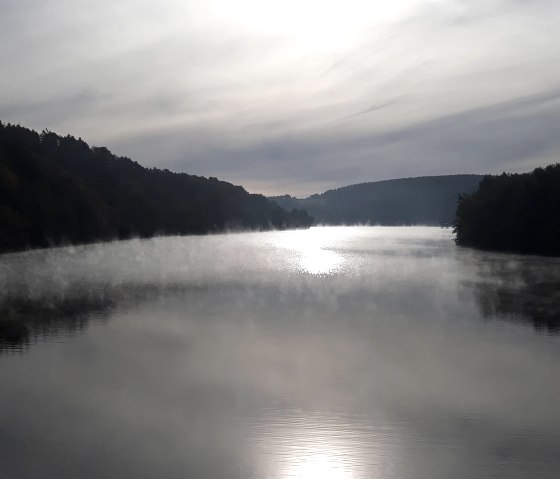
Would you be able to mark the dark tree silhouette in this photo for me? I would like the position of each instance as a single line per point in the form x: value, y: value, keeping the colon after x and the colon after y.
x: 427, y: 200
x: 513, y: 212
x: 57, y: 190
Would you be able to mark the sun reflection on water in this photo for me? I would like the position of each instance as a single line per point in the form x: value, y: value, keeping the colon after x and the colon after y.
x: 319, y: 261
x: 309, y: 251
x: 319, y: 465
x: 298, y: 444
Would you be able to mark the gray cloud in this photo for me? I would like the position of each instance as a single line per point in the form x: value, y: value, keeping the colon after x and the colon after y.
x: 513, y: 135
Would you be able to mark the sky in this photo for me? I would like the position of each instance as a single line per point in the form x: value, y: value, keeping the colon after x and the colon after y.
x: 292, y: 96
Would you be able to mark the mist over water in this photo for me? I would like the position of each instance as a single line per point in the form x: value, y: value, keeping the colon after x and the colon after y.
x: 347, y: 352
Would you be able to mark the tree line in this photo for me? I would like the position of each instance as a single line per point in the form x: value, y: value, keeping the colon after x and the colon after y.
x: 512, y: 212
x: 427, y: 200
x: 58, y: 190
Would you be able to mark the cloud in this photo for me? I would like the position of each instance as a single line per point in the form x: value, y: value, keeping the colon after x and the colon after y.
x: 271, y: 101
x: 510, y: 135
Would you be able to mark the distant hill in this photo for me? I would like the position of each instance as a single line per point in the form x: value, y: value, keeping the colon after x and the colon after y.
x: 513, y: 212
x: 428, y: 200
x: 58, y: 190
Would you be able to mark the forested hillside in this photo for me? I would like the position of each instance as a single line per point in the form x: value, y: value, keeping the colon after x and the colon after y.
x: 513, y: 212
x: 58, y: 190
x: 428, y: 200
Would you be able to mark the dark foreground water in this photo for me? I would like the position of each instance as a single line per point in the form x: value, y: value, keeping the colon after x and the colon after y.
x: 329, y: 353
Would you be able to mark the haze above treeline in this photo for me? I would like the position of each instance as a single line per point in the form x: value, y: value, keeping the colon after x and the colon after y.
x: 57, y: 190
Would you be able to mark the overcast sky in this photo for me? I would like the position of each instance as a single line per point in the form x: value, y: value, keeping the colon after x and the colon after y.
x: 291, y: 96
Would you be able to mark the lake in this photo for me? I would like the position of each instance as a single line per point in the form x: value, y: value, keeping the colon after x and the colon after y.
x: 334, y: 352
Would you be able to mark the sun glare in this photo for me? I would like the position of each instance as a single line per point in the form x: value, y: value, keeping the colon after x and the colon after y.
x: 318, y: 466
x: 319, y: 261
x: 310, y: 23
x: 307, y: 251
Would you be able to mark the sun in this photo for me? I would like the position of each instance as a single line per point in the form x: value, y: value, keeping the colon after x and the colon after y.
x: 312, y: 24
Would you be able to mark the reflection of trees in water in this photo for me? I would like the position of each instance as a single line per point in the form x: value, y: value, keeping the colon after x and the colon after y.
x: 518, y: 288
x: 28, y: 318
x: 24, y: 320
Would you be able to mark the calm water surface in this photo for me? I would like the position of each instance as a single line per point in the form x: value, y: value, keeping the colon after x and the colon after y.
x: 343, y: 353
